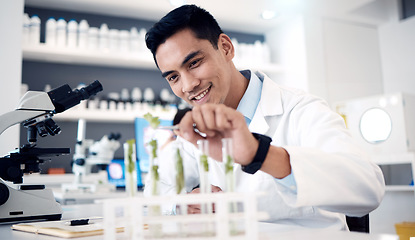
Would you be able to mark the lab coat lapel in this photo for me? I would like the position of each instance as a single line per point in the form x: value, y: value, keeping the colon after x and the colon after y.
x: 269, y: 105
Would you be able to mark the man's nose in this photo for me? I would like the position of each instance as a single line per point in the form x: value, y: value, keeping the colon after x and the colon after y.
x: 189, y: 83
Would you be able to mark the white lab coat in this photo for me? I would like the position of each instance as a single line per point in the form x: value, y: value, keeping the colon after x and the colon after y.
x: 333, y: 176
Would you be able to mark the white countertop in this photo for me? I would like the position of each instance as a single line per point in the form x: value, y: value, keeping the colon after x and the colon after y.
x: 267, y: 230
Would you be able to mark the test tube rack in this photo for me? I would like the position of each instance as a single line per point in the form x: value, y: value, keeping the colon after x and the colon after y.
x: 133, y: 216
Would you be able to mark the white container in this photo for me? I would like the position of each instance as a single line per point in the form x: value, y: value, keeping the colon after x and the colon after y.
x: 165, y: 95
x: 134, y: 40
x: 124, y: 41
x: 114, y: 40
x: 149, y: 95
x: 61, y: 33
x: 83, y: 34
x: 93, y: 38
x: 72, y: 41
x: 50, y: 33
x: 136, y: 94
x: 125, y: 95
x: 103, y: 37
x: 34, y: 32
x: 26, y: 29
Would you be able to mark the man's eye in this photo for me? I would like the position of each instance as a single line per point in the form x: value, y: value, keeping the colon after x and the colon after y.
x: 172, y: 78
x: 194, y: 63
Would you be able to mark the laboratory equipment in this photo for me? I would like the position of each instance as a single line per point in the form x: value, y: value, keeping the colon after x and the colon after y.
x: 89, y: 153
x: 384, y: 125
x: 130, y: 213
x: 35, y: 112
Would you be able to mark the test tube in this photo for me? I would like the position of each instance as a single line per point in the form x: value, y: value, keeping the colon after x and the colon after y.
x: 180, y: 181
x: 154, y: 210
x: 154, y: 174
x: 130, y: 168
x: 204, y: 173
x: 228, y: 161
x: 180, y: 184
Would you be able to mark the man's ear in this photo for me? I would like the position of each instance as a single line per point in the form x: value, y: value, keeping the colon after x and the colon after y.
x: 225, y: 45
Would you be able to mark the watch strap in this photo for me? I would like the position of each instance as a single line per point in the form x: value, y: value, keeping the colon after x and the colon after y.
x: 261, y: 153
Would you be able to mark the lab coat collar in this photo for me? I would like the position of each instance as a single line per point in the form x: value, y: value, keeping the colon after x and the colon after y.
x: 269, y: 105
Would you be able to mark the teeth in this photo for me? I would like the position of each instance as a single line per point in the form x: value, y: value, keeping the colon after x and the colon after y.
x: 202, y: 94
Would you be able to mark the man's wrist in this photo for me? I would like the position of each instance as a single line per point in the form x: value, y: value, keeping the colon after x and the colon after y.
x: 260, y: 155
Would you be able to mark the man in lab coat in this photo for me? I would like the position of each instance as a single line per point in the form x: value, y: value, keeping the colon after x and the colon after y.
x: 286, y: 143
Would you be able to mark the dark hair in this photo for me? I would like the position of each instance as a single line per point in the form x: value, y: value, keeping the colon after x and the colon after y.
x: 192, y: 17
x: 179, y: 115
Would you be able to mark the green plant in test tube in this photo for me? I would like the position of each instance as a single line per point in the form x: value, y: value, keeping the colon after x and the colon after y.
x: 204, y: 162
x: 179, y: 172
x: 131, y: 164
x: 228, y: 161
x: 154, y: 123
x: 154, y: 210
x: 130, y: 167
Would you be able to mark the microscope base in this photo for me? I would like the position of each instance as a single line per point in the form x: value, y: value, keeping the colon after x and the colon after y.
x: 28, y: 203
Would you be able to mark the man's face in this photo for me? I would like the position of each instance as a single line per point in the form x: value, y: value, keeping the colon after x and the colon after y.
x: 195, y: 70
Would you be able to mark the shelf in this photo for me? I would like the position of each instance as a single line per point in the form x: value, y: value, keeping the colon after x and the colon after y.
x: 399, y: 188
x: 43, y: 53
x: 118, y: 116
x: 403, y: 158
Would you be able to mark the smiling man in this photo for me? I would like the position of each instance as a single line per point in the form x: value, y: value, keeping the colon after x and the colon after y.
x: 286, y: 143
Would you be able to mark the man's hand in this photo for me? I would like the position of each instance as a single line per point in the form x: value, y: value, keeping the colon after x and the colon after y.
x: 218, y: 121
x: 195, y: 208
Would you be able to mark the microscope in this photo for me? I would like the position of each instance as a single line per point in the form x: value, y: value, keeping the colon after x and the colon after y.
x: 35, y: 112
x: 89, y: 153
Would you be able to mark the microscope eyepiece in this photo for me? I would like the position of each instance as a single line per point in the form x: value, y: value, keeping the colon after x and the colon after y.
x: 64, y: 98
x: 90, y: 90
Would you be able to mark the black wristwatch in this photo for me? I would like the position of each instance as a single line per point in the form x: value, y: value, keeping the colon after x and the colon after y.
x: 261, y: 153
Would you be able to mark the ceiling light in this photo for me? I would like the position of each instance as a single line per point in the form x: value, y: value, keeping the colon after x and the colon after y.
x: 267, y: 14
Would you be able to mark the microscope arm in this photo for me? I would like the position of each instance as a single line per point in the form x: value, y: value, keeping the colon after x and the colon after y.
x: 33, y: 104
x: 11, y: 118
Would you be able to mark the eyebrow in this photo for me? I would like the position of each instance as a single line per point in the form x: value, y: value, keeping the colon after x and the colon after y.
x: 185, y: 60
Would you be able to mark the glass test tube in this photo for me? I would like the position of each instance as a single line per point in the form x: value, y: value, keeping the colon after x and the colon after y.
x: 227, y: 159
x: 180, y: 179
x: 204, y: 173
x: 228, y: 162
x: 154, y: 210
x: 153, y: 171
x: 130, y: 168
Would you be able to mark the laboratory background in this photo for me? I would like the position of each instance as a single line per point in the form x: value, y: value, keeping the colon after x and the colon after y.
x: 358, y: 55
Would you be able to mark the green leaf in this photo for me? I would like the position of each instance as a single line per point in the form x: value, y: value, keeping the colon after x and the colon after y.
x: 131, y: 164
x: 204, y: 162
x: 179, y: 172
x: 155, y: 171
x: 153, y: 121
x: 153, y: 144
x: 228, y: 164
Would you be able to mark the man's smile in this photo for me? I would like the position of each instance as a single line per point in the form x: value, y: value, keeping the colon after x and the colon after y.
x: 201, y: 95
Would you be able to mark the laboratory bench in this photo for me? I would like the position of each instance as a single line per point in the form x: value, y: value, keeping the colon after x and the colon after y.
x: 267, y: 230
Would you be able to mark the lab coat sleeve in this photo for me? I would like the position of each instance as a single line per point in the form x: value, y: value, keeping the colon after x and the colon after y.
x: 330, y: 170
